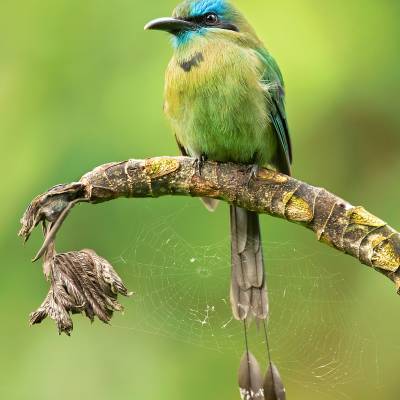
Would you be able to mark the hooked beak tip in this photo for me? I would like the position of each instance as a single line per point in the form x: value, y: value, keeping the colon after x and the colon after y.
x: 147, y: 27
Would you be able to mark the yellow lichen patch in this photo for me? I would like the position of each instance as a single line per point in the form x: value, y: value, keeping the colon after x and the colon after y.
x: 287, y: 197
x: 358, y: 228
x: 297, y: 209
x: 397, y: 283
x: 159, y: 167
x: 360, y: 216
x: 376, y: 239
x: 385, y: 257
x: 271, y: 176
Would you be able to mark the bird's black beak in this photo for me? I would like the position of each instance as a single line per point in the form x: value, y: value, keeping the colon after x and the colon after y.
x: 171, y: 25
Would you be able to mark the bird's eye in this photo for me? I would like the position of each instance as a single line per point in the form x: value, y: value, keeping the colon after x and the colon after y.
x: 211, y: 19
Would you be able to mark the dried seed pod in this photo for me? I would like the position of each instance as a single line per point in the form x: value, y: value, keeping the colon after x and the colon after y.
x: 81, y: 281
x: 273, y: 385
x: 250, y: 378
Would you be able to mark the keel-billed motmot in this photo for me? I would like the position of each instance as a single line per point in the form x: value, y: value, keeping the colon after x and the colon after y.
x: 224, y: 96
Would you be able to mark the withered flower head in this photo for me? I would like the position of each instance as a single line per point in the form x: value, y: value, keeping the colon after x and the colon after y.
x: 81, y: 282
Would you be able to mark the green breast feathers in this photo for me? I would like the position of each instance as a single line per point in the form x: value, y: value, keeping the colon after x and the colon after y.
x: 217, y: 102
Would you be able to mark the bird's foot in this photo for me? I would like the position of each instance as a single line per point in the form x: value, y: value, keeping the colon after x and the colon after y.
x: 252, y: 171
x: 200, y: 161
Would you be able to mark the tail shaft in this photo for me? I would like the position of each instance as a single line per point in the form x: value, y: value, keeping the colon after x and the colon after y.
x: 248, y: 283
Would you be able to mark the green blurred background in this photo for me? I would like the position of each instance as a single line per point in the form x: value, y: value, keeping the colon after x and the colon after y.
x: 81, y: 85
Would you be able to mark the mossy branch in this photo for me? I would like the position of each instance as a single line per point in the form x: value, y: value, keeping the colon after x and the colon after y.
x: 351, y: 230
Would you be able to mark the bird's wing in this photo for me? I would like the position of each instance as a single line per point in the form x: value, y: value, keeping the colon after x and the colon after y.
x: 272, y: 79
x: 181, y: 148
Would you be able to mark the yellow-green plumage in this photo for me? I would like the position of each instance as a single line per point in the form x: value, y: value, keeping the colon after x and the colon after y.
x: 218, y: 108
x: 225, y: 100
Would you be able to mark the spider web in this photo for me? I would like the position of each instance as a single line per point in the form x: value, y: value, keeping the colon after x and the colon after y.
x: 182, y: 292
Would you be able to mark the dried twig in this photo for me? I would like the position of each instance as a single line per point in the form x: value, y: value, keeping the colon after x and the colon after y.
x: 346, y: 228
x: 80, y: 282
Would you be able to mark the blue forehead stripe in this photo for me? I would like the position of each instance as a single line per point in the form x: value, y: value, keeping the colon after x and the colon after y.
x: 202, y: 7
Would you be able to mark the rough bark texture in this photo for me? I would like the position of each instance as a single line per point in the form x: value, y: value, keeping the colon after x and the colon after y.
x: 337, y: 223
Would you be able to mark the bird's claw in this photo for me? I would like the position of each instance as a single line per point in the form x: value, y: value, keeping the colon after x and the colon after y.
x: 200, y: 161
x: 253, y: 171
x: 52, y: 206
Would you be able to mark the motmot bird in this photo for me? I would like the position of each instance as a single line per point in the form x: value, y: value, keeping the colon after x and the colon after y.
x: 225, y: 99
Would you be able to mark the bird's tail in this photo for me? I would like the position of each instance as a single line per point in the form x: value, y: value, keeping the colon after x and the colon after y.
x: 248, y: 284
x: 210, y: 204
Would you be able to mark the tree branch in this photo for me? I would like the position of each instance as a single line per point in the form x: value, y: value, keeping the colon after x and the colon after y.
x: 351, y: 230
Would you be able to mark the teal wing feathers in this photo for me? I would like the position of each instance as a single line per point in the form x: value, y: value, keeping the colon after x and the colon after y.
x: 272, y: 78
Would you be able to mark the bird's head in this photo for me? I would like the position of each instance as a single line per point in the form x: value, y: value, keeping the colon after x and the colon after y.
x: 194, y: 18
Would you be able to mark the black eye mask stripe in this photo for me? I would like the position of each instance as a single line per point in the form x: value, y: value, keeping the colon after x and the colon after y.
x: 229, y: 27
x: 200, y: 22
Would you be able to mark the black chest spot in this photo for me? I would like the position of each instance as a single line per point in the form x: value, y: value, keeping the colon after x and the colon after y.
x: 194, y: 62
